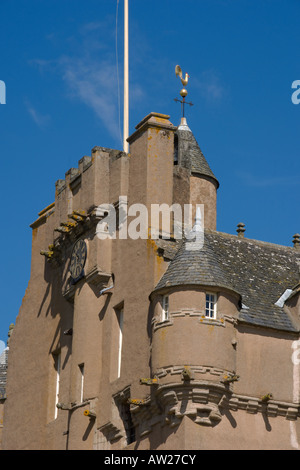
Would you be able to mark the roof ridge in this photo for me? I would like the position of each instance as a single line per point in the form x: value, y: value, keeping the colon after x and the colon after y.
x: 250, y: 240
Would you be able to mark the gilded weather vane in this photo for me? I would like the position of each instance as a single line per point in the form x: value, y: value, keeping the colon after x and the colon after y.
x: 183, y: 92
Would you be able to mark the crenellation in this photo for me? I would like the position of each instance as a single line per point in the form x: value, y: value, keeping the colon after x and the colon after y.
x: 84, y: 163
x: 60, y: 185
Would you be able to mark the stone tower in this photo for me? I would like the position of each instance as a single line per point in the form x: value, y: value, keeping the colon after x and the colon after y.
x: 141, y: 342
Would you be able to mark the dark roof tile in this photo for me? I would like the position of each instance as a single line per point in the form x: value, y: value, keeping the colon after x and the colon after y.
x: 199, y: 266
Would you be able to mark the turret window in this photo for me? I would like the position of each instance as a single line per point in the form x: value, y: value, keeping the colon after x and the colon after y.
x: 211, y: 305
x: 165, y: 308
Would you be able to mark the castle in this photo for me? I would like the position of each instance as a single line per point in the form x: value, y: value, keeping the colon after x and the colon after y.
x: 141, y: 343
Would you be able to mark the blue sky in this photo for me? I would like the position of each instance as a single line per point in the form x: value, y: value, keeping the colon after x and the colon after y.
x: 58, y: 61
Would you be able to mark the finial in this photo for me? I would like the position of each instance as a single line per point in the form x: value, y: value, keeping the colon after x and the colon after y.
x: 198, y: 219
x: 241, y: 230
x: 195, y: 236
x: 183, y: 92
x: 296, y: 241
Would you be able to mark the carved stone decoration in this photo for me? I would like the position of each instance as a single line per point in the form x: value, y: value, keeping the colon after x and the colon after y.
x: 198, y: 401
x: 170, y: 403
x: 95, y: 276
x: 53, y: 254
x: 203, y: 402
x: 145, y: 417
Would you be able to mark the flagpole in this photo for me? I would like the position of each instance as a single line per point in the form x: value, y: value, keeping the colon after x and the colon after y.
x: 126, y: 81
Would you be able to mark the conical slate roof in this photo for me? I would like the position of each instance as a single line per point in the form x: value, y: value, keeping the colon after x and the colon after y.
x: 189, y: 153
x: 194, y: 265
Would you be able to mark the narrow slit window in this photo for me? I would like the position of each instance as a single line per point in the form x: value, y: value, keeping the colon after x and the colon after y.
x: 120, y: 315
x: 57, y: 360
x: 211, y: 305
x: 81, y: 371
x: 165, y: 308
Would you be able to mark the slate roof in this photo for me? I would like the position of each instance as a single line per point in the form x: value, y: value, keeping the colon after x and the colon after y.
x: 190, y: 155
x: 260, y: 272
x: 195, y: 266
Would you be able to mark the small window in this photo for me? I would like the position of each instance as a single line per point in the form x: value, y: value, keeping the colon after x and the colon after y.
x: 57, y: 361
x: 165, y: 308
x: 116, y: 343
x: 211, y: 305
x: 120, y: 318
x: 81, y: 371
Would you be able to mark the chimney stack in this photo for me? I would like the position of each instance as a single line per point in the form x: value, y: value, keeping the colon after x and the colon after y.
x: 241, y: 230
x: 296, y: 241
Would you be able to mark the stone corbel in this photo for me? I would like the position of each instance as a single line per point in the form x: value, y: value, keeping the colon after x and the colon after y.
x: 97, y: 277
x: 53, y: 254
x: 194, y: 402
x: 213, y: 415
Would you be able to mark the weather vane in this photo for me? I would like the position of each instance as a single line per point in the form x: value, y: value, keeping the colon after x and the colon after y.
x: 183, y: 92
